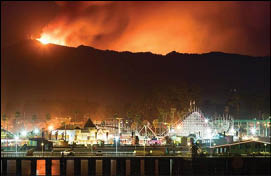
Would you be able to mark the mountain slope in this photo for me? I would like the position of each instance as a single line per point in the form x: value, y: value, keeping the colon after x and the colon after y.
x: 40, y: 78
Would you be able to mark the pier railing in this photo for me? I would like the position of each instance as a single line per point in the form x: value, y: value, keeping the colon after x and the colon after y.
x: 149, y: 165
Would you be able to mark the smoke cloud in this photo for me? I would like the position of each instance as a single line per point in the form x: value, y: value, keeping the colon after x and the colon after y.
x: 161, y: 27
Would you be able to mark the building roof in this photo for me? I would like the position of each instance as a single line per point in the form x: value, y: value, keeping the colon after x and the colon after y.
x: 89, y: 124
x: 68, y: 127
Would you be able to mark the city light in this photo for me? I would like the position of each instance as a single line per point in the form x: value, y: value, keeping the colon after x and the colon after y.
x: 253, y: 131
x: 16, y: 138
x: 36, y: 131
x: 24, y: 133
x: 50, y: 128
x: 42, y: 147
x: 206, y: 120
x: 232, y: 131
x: 117, y: 138
x: 209, y: 131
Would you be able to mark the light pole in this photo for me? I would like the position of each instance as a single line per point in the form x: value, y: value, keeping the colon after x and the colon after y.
x: 36, y: 131
x: 144, y: 146
x: 16, y: 139
x: 42, y: 147
x: 117, y: 139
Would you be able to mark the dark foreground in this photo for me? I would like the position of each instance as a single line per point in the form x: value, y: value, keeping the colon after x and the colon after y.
x: 136, y: 166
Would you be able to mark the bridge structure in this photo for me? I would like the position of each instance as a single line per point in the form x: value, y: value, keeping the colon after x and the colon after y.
x: 147, y: 165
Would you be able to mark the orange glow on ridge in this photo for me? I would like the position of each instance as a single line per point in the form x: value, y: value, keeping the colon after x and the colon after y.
x: 46, y: 38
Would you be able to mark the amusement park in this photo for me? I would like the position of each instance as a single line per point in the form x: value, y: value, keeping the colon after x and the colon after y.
x: 209, y: 135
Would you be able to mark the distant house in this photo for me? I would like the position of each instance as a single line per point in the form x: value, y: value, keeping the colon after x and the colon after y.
x: 242, y: 147
x: 89, y: 134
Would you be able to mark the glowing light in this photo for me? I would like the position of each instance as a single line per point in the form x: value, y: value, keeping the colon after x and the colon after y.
x: 245, y: 138
x: 50, y: 128
x: 188, y: 143
x: 179, y: 127
x: 24, y: 133
x: 206, y: 120
x: 253, y: 131
x: 36, y: 131
x: 16, y: 138
x: 232, y: 131
x: 46, y: 38
x: 117, y: 138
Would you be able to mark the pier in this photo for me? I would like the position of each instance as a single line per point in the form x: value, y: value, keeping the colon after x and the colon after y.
x: 148, y: 165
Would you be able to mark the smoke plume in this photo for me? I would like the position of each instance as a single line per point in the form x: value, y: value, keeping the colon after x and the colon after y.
x: 161, y: 27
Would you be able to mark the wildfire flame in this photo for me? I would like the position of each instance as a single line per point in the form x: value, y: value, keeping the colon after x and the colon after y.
x: 46, y: 38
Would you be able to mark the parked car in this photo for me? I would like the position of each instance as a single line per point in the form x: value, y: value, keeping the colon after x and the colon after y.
x: 67, y: 153
x: 99, y: 153
x: 30, y: 152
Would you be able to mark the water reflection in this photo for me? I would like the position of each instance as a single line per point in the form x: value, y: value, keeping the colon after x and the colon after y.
x: 40, y: 167
x: 55, y: 167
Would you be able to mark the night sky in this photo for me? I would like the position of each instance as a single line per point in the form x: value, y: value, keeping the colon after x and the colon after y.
x: 159, y: 27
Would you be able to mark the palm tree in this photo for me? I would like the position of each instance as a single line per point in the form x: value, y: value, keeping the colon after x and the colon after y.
x: 34, y: 118
x: 76, y: 113
x: 48, y: 116
x: 17, y: 116
x: 4, y: 118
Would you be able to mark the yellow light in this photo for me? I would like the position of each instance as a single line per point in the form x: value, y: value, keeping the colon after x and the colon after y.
x: 46, y: 38
x: 50, y: 128
x: 150, y: 151
x: 43, y: 40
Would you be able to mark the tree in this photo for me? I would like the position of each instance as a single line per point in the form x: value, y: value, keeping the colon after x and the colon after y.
x: 17, y: 116
x: 48, y: 116
x: 4, y: 118
x: 75, y: 115
x: 34, y: 118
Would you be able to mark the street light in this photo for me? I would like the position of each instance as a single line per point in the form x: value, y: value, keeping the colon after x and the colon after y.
x: 144, y: 147
x: 42, y: 147
x: 117, y: 139
x: 50, y: 128
x: 16, y: 139
x: 24, y: 133
x: 36, y: 131
x: 265, y: 149
x: 253, y: 131
x: 209, y: 134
